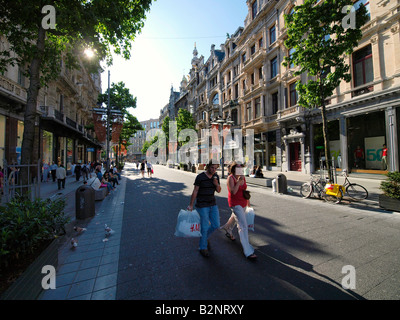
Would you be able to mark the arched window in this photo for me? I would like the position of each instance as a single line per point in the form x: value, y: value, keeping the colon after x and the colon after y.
x: 215, y: 100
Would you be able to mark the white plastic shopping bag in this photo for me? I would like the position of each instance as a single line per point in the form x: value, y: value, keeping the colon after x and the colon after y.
x: 250, y: 218
x: 188, y: 224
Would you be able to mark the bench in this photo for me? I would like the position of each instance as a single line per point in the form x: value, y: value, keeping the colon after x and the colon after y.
x: 100, y: 194
x: 263, y: 182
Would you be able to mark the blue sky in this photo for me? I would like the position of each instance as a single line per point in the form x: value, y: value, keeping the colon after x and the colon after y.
x: 162, y: 53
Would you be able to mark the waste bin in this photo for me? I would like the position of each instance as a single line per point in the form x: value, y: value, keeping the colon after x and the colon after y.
x: 84, y: 202
x: 281, y: 184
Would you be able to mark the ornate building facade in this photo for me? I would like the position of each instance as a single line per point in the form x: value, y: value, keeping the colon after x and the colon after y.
x: 64, y: 132
x: 246, y: 82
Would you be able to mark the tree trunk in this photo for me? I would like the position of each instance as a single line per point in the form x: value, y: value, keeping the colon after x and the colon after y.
x: 326, y: 141
x: 30, y: 111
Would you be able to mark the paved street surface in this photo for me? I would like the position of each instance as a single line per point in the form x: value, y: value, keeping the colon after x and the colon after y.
x: 302, y: 247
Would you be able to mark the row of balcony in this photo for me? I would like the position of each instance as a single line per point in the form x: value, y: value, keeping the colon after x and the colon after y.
x: 50, y: 112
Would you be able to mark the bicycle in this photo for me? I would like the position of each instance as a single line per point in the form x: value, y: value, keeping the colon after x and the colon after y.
x: 312, y: 187
x: 354, y: 190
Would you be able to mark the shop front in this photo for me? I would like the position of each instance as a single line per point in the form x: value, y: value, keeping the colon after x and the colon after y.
x: 366, y: 136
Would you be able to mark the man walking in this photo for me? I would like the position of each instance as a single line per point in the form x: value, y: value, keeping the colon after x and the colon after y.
x: 61, y: 174
x: 205, y: 185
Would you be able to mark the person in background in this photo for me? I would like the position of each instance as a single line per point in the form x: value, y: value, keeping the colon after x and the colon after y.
x: 149, y: 169
x: 358, y: 157
x: 61, y: 174
x: 259, y: 173
x: 384, y: 157
x: 53, y: 169
x: 46, y: 171
x: 77, y: 171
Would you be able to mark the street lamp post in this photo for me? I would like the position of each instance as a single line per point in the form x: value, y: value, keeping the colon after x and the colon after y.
x: 221, y: 123
x: 109, y: 113
x: 108, y: 125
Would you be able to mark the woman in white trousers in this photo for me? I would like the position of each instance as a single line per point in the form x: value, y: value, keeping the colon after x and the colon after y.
x: 236, y: 184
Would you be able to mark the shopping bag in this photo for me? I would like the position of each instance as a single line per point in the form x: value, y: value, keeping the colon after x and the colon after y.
x: 188, y: 224
x: 152, y: 171
x: 250, y: 218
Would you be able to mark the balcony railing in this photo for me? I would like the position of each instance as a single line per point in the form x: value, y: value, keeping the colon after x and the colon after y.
x: 359, y: 91
x: 50, y: 112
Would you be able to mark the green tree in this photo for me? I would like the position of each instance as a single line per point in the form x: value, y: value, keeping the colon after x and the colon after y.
x: 185, y: 120
x: 321, y: 39
x: 121, y: 99
x: 39, y: 49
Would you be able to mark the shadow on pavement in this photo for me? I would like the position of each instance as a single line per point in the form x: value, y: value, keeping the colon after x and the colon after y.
x: 154, y: 264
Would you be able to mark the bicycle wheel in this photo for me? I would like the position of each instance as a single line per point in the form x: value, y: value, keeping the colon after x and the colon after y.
x: 356, y: 191
x: 306, y: 190
x: 333, y: 199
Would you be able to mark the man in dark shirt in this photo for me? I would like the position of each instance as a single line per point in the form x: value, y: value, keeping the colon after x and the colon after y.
x: 205, y: 185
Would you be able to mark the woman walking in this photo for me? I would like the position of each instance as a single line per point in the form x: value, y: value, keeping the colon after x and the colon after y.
x: 236, y: 183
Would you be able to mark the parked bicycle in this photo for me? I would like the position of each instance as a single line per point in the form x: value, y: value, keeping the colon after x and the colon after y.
x: 333, y: 193
x: 313, y: 187
x: 354, y: 190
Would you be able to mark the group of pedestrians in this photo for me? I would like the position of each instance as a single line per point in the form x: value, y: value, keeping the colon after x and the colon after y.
x: 145, y: 166
x: 58, y: 172
x: 205, y: 185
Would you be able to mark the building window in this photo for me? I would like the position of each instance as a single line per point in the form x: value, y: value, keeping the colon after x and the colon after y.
x: 363, y: 71
x: 274, y: 67
x: 253, y: 49
x: 252, y: 78
x: 248, y: 111
x: 272, y: 35
x: 244, y: 57
x: 274, y: 102
x: 215, y: 100
x: 293, y: 94
x: 258, y: 107
x: 260, y: 73
x: 254, y: 10
x: 234, y: 116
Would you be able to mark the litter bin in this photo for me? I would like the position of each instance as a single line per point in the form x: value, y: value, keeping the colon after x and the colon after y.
x: 281, y: 184
x: 84, y: 202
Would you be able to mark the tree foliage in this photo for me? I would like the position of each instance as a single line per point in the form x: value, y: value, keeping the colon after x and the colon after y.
x: 102, y: 25
x: 317, y: 32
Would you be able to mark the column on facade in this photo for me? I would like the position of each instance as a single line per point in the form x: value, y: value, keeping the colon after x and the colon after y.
x: 343, y: 143
x: 376, y: 58
x: 391, y: 134
x: 395, y: 29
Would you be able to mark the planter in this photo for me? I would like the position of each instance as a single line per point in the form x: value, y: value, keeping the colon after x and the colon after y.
x: 388, y: 203
x: 29, y: 285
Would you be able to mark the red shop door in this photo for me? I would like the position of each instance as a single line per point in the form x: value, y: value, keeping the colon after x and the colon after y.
x: 295, y: 161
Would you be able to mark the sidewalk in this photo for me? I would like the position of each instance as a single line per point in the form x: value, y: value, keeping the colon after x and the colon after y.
x: 88, y: 271
x: 295, y: 179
